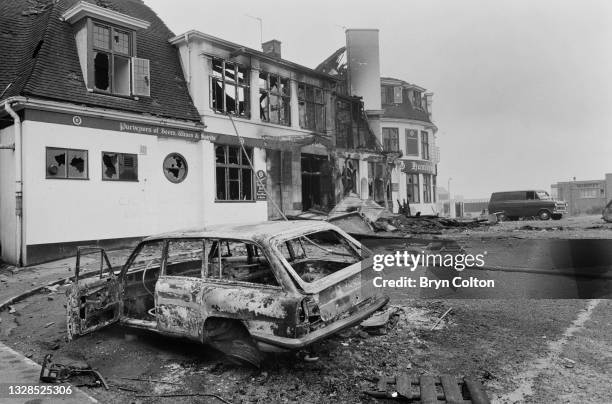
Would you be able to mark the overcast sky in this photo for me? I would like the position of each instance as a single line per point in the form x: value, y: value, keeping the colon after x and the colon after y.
x: 523, y: 89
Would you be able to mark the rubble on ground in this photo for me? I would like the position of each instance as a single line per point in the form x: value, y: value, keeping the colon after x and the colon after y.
x: 360, y: 217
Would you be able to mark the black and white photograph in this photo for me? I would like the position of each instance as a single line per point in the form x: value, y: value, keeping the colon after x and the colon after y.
x: 306, y: 202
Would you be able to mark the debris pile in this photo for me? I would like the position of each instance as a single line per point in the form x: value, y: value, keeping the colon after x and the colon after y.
x: 366, y: 218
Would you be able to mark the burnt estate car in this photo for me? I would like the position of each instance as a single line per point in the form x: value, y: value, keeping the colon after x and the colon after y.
x: 244, y: 289
x: 512, y: 205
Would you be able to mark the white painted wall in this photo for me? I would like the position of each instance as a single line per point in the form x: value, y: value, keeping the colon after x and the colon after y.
x: 8, y: 221
x: 63, y: 210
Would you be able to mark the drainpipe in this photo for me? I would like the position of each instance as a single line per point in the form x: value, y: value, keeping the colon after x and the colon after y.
x: 188, y: 59
x: 18, y: 183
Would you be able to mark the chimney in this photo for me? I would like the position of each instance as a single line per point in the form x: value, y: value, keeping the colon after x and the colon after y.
x: 363, y: 62
x: 272, y: 48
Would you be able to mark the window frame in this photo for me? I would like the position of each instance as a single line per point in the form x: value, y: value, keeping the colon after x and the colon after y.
x: 411, y: 186
x: 245, y: 86
x: 427, y: 188
x: 241, y: 166
x: 208, y: 278
x: 306, y: 105
x: 415, y: 139
x: 92, y: 50
x: 166, y: 256
x: 135, y: 155
x: 425, y: 152
x: 392, y: 139
x: 283, y: 98
x: 66, y: 150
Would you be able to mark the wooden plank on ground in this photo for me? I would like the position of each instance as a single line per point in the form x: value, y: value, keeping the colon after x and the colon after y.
x: 452, y: 392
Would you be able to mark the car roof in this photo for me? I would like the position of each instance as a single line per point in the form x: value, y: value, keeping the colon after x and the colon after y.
x: 254, y: 231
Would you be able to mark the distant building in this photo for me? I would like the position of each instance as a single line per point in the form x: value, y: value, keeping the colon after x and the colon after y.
x: 584, y: 197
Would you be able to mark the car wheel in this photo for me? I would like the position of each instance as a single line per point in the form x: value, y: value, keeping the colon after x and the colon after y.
x: 556, y: 216
x: 233, y: 339
x: 544, y: 214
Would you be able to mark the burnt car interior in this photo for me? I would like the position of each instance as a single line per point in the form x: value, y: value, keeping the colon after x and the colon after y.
x: 228, y: 260
x: 319, y: 254
x: 139, y: 281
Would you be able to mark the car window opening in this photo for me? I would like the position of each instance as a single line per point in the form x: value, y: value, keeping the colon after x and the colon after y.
x: 319, y: 254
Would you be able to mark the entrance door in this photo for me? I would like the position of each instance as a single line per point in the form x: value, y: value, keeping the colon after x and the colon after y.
x: 316, y: 182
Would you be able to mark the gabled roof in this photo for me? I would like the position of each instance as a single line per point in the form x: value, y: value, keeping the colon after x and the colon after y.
x: 39, y: 59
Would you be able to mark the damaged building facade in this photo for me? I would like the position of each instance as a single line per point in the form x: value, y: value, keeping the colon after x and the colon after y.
x: 113, y: 128
x: 401, y: 165
x: 101, y: 143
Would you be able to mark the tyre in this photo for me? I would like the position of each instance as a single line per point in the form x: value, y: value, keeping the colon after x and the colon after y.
x: 544, y: 214
x: 231, y: 338
x: 502, y: 217
x: 556, y: 216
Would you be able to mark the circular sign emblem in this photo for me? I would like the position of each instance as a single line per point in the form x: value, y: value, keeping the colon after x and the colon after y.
x: 175, y: 167
x: 77, y: 120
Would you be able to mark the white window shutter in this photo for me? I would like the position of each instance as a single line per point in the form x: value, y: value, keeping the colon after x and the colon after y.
x: 397, y: 95
x: 141, y: 78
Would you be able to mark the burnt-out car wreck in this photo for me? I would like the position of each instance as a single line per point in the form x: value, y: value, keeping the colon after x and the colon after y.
x: 243, y: 289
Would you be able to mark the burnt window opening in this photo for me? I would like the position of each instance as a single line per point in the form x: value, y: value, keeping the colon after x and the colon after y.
x: 229, y: 84
x: 351, y: 127
x: 119, y: 166
x: 66, y: 163
x: 311, y: 106
x: 274, y: 99
x: 377, y: 183
x: 234, y: 176
x: 390, y: 137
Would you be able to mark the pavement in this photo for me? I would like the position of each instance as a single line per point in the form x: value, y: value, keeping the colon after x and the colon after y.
x: 23, y: 371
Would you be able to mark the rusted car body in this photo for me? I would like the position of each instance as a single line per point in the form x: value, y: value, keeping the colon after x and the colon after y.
x: 288, y: 284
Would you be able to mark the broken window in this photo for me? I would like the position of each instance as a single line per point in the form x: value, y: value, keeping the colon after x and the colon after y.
x: 426, y: 188
x: 229, y: 84
x: 112, y: 70
x: 175, y: 167
x: 350, y: 174
x: 317, y: 255
x: 239, y: 261
x: 434, y: 179
x: 185, y: 257
x: 390, y: 138
x: 66, y: 163
x: 119, y: 166
x: 412, y: 186
x: 311, y: 103
x: 274, y: 99
x: 234, y: 176
x: 412, y: 142
x: 424, y: 145
x: 376, y: 182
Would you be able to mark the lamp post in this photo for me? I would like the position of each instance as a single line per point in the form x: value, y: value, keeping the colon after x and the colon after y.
x: 450, y: 207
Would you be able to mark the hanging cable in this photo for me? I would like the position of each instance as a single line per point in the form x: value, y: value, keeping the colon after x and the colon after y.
x: 263, y: 186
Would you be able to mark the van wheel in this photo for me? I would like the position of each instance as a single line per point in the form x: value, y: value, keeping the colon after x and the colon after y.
x: 544, y: 214
x: 502, y: 217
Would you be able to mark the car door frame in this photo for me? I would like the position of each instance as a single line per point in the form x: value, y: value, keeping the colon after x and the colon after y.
x: 81, y: 308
